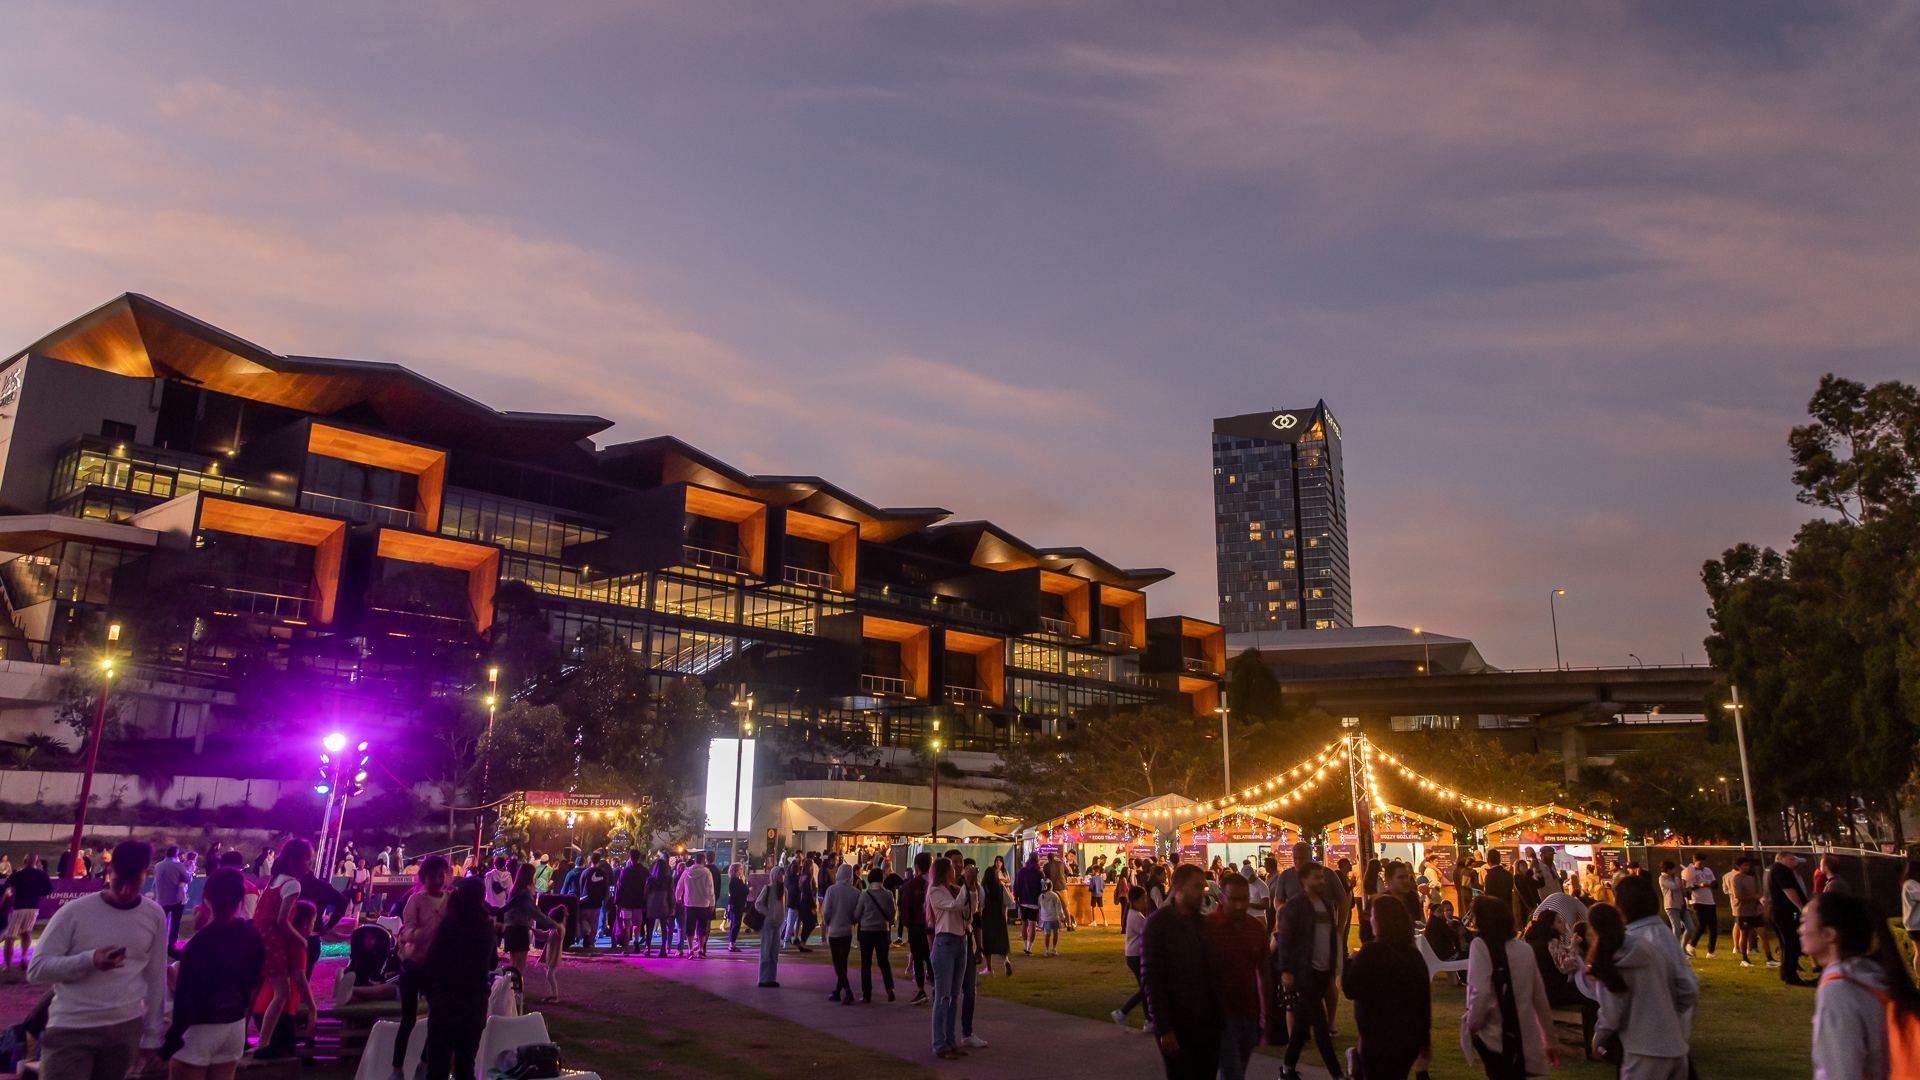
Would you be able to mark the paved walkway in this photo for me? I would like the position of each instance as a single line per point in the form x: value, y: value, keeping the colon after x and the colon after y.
x: 1025, y: 1043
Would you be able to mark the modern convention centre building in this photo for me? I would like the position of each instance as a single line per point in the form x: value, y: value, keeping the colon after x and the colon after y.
x: 380, y: 535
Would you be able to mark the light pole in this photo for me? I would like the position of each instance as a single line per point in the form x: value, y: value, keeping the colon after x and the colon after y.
x: 1226, y: 750
x: 933, y: 826
x: 1746, y: 779
x: 1426, y: 651
x: 93, y: 752
x: 486, y: 761
x: 1553, y: 614
x: 745, y: 704
x: 1636, y: 659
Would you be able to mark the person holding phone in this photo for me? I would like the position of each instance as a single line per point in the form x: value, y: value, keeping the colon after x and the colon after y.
x: 105, y: 955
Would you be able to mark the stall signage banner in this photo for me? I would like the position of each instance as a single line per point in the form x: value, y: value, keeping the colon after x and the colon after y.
x: 561, y: 800
x: 66, y: 889
x: 1248, y: 834
x: 1192, y: 856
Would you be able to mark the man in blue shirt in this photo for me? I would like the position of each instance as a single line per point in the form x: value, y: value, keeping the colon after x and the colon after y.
x: 170, y: 880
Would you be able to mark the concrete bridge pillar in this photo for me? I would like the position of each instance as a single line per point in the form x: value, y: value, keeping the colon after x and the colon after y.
x: 1573, y: 752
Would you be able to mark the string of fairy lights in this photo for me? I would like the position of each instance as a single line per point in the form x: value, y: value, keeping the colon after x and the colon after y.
x: 1288, y: 787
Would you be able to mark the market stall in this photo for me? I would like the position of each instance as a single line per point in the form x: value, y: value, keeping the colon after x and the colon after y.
x: 1083, y: 836
x: 1238, y: 833
x: 1398, y: 833
x: 1578, y: 839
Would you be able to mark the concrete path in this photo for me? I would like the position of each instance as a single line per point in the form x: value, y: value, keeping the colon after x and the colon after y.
x: 1026, y: 1043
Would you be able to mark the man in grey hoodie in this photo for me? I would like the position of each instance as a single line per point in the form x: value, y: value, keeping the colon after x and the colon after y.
x: 837, y: 911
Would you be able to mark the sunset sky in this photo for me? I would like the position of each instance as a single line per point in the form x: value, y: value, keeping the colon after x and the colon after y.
x: 1565, y: 273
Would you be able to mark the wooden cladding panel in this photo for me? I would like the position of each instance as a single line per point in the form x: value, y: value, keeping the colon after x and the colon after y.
x: 426, y: 464
x: 1132, y: 607
x: 481, y: 563
x: 721, y: 506
x: 268, y: 522
x: 841, y: 537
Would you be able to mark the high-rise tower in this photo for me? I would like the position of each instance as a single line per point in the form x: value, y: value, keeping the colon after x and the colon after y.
x: 1280, y: 521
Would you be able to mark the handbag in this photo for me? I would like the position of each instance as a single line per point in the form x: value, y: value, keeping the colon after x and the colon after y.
x: 753, y: 916
x: 534, y: 1061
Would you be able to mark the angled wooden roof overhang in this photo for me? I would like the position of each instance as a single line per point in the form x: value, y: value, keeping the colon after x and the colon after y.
x: 138, y: 336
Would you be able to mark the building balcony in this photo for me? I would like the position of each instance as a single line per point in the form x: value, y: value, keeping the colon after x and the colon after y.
x: 358, y: 509
x: 408, y: 622
x: 1195, y: 664
x: 700, y: 558
x: 967, y: 696
x: 882, y: 685
x: 1059, y: 628
x: 1117, y: 639
x: 809, y: 578
x: 265, y: 600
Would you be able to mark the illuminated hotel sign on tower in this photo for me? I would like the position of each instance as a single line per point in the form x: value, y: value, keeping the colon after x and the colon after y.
x: 1280, y: 521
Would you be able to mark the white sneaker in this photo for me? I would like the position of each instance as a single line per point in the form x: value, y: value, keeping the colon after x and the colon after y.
x: 974, y: 1042
x: 1746, y: 963
x: 1119, y: 1017
x: 1689, y: 950
x: 1773, y: 963
x: 1710, y: 956
x: 343, y: 989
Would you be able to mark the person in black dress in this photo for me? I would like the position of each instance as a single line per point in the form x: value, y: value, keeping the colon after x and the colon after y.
x: 994, y: 938
x: 1391, y: 993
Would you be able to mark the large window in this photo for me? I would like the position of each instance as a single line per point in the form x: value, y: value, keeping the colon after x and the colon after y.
x: 516, y: 526
x: 359, y: 492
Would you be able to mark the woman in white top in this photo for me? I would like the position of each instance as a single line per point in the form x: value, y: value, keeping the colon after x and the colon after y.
x: 1910, y: 907
x: 1508, y: 1023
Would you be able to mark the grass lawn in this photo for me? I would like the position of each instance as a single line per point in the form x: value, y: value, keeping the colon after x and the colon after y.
x: 1749, y: 1025
x: 621, y: 1021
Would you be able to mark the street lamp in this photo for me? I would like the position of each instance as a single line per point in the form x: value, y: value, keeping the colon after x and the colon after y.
x: 486, y: 761
x: 745, y: 704
x: 1554, y: 594
x: 1746, y: 780
x: 1636, y: 659
x: 1226, y: 751
x: 933, y: 827
x: 1426, y: 651
x: 93, y: 751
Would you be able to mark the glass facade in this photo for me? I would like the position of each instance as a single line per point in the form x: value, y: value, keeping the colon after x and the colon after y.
x: 1280, y: 522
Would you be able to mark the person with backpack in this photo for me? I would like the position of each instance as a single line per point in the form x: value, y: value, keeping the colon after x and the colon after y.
x: 771, y: 906
x: 1508, y: 1021
x: 1866, y: 1012
x: 872, y: 916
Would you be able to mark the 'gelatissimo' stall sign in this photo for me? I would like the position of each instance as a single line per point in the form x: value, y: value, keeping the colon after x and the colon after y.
x: 1394, y: 825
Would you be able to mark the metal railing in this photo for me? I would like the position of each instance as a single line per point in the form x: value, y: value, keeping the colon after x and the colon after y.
x: 938, y: 605
x: 883, y: 685
x: 725, y: 562
x: 273, y: 605
x: 1194, y: 663
x: 966, y: 695
x: 809, y: 577
x: 1056, y: 627
x: 357, y: 509
x: 1119, y: 639
x: 459, y: 625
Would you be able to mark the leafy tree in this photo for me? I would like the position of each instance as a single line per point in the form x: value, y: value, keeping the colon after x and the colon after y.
x: 77, y: 702
x: 1113, y: 759
x: 1824, y: 641
x: 1671, y: 785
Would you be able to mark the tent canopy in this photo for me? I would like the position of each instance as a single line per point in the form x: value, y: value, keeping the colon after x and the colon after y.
x: 1550, y: 824
x: 1238, y: 825
x: 972, y: 829
x: 1092, y: 824
x: 1396, y: 825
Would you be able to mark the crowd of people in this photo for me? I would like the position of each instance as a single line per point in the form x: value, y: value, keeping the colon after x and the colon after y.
x: 1226, y: 955
x: 1223, y: 956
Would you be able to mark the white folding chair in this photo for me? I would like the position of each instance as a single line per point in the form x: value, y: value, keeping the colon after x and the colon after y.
x: 1435, y: 965
x: 508, y: 1033
x: 376, y: 1058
